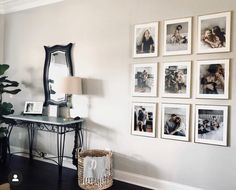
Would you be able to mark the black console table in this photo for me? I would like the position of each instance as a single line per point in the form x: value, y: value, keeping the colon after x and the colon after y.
x: 57, y: 125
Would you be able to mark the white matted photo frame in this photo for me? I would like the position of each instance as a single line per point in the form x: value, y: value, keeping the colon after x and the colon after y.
x: 211, y: 124
x: 145, y: 40
x: 144, y: 79
x: 177, y: 36
x: 176, y: 80
x: 144, y: 119
x: 213, y: 79
x: 214, y: 32
x: 33, y: 107
x: 175, y: 121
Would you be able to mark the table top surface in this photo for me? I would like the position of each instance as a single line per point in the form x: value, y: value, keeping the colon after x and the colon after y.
x: 44, y: 119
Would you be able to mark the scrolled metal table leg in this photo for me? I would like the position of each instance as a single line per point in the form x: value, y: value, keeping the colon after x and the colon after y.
x: 61, y: 134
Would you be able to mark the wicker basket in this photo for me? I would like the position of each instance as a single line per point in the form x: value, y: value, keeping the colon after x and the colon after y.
x: 93, y: 185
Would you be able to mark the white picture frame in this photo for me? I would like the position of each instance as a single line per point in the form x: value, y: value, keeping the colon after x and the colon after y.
x: 178, y: 36
x: 214, y: 32
x: 175, y: 121
x: 145, y: 47
x: 33, y: 107
x: 176, y: 79
x: 144, y: 79
x: 213, y: 79
x: 211, y: 124
x: 144, y: 125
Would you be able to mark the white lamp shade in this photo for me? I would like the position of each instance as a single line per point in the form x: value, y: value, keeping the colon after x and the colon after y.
x: 71, y: 85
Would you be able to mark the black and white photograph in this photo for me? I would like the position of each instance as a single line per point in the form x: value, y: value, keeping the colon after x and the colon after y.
x: 177, y: 36
x: 213, y: 79
x: 214, y: 33
x: 175, y: 121
x: 145, y: 40
x: 33, y: 108
x: 176, y: 79
x: 211, y: 124
x: 144, y: 79
x: 143, y: 119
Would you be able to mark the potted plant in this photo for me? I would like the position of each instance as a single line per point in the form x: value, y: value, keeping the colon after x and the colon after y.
x: 6, y: 108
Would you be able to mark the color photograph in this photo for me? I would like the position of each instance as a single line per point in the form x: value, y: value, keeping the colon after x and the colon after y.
x: 211, y: 125
x: 214, y: 33
x: 177, y: 36
x: 145, y: 40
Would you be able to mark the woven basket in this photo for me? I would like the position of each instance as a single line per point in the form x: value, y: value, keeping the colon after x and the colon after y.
x: 106, y: 182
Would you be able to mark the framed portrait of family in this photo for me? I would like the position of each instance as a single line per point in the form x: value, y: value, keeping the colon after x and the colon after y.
x: 175, y: 121
x: 176, y: 79
x: 146, y: 40
x: 211, y: 124
x: 177, y: 36
x: 214, y: 33
x: 144, y: 79
x: 144, y: 119
x: 213, y: 79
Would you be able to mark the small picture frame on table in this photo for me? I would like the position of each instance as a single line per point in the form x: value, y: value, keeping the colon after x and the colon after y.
x: 33, y: 108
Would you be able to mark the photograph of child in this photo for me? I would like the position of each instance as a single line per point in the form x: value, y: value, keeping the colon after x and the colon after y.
x: 145, y: 40
x: 211, y: 124
x: 175, y: 121
x: 143, y: 119
x: 177, y: 37
x: 176, y: 79
x: 213, y: 79
x: 144, y: 79
x: 214, y: 33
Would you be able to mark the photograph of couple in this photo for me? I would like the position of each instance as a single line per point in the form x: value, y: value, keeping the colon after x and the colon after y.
x: 211, y: 124
x: 143, y: 119
x: 175, y: 121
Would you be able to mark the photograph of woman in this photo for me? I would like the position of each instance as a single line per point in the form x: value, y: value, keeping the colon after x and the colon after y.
x: 214, y: 33
x: 175, y: 121
x: 213, y: 79
x: 145, y: 40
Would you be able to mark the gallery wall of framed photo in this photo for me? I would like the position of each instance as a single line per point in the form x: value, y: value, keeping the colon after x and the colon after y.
x: 176, y: 99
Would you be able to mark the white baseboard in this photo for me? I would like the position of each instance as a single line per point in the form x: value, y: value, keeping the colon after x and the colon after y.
x: 136, y: 179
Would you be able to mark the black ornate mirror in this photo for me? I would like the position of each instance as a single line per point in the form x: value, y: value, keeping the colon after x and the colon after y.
x: 57, y: 65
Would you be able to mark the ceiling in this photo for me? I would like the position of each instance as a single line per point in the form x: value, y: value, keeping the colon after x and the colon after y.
x: 9, y: 6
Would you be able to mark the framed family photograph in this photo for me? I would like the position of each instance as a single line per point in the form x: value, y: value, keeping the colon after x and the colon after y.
x: 177, y: 36
x: 146, y: 40
x: 143, y: 119
x: 213, y: 79
x: 175, y: 121
x: 211, y: 125
x: 214, y: 33
x: 144, y: 79
x: 176, y: 79
x: 33, y: 108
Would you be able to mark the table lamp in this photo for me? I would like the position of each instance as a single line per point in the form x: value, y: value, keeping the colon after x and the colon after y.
x: 69, y: 85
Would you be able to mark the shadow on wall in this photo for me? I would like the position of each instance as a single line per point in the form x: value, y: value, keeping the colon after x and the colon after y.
x: 92, y: 87
x: 134, y: 164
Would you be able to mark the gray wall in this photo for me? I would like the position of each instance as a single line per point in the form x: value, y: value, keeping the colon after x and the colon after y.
x: 101, y: 31
x: 1, y: 37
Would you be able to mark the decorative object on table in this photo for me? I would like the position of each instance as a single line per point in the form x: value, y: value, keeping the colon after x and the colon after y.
x: 144, y: 79
x: 52, y: 110
x: 213, y: 79
x: 146, y: 40
x: 214, y: 33
x: 6, y: 108
x: 58, y: 64
x: 175, y: 122
x: 144, y: 119
x: 33, y: 107
x: 69, y: 85
x: 95, y: 169
x: 177, y: 36
x: 176, y: 79
x: 211, y: 124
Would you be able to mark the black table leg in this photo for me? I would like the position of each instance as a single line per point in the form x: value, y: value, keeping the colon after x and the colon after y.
x: 78, y: 136
x: 10, y: 127
x: 61, y: 134
x: 31, y: 139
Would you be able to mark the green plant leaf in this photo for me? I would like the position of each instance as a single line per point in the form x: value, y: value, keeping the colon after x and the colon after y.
x: 3, y: 68
x: 6, y: 108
